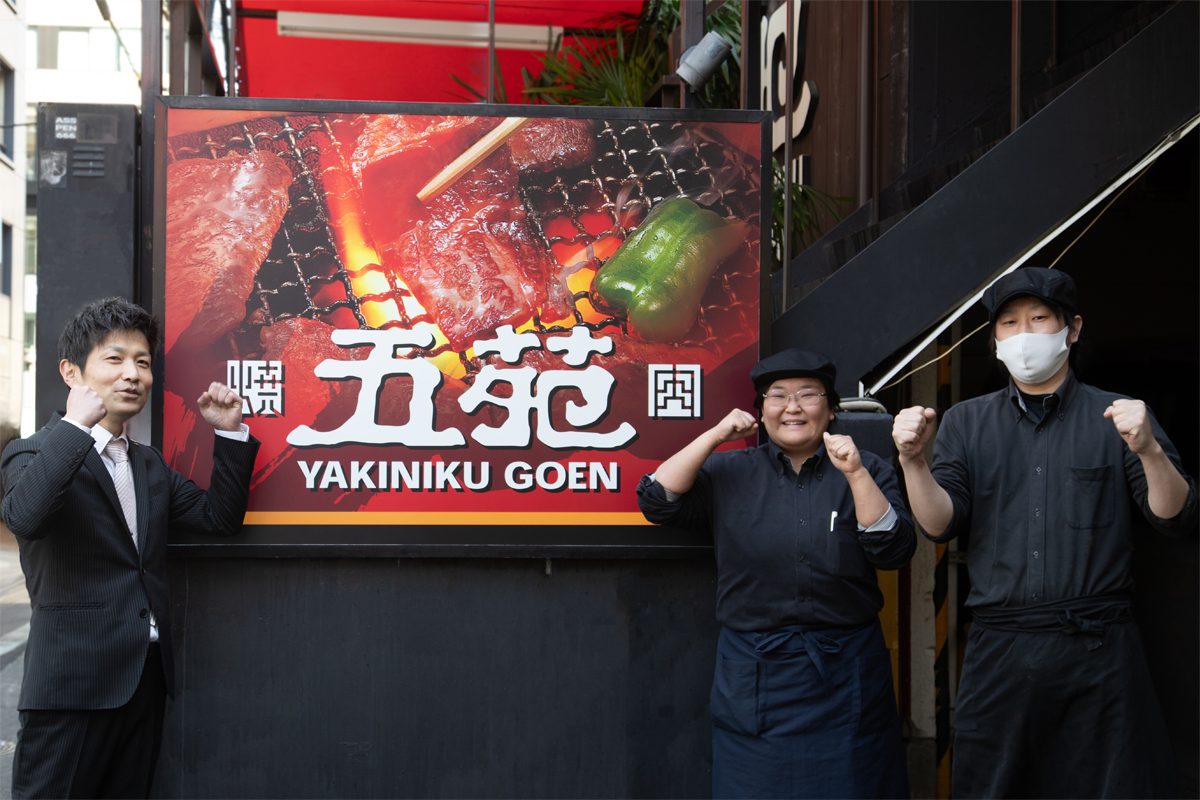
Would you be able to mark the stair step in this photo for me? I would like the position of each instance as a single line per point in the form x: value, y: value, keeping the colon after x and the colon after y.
x: 1008, y: 202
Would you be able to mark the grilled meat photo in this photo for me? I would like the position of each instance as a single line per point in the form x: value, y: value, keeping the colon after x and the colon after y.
x: 222, y: 215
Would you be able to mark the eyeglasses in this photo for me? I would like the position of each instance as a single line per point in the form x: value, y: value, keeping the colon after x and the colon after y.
x: 777, y: 399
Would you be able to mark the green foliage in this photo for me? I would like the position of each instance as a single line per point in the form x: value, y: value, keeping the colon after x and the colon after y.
x: 616, y: 70
x: 725, y: 88
x: 499, y: 91
x: 621, y: 65
x: 811, y: 210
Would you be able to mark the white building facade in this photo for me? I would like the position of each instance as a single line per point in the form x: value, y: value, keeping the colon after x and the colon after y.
x: 72, y: 54
x: 13, y: 356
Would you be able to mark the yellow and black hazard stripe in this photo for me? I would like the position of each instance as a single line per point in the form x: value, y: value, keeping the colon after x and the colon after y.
x: 941, y: 668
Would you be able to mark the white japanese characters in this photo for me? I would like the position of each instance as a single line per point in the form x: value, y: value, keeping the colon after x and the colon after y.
x: 381, y: 364
x: 531, y: 392
x: 260, y: 383
x: 675, y: 391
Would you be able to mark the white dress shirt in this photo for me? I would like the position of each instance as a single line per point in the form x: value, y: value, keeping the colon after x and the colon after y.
x: 103, y: 436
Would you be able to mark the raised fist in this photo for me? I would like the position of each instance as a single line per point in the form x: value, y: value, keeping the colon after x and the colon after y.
x: 84, y: 405
x: 1132, y: 421
x: 843, y: 452
x: 221, y: 407
x: 737, y: 424
x: 912, y: 430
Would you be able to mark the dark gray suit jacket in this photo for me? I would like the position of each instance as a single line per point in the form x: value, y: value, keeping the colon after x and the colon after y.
x: 91, y: 590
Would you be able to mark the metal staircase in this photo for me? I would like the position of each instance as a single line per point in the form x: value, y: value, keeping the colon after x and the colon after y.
x: 984, y: 200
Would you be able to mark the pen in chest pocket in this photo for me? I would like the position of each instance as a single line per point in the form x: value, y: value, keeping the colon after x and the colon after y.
x: 832, y: 518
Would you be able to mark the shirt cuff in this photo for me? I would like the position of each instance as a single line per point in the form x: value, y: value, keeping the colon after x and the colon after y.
x: 671, y: 496
x: 78, y: 425
x: 884, y: 523
x: 242, y: 435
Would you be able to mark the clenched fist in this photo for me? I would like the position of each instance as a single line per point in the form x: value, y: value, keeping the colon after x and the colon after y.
x: 912, y: 430
x: 737, y: 424
x: 221, y: 407
x: 1132, y: 421
x: 84, y: 405
x: 843, y: 452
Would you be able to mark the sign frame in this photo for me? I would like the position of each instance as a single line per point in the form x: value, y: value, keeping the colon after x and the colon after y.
x: 377, y: 538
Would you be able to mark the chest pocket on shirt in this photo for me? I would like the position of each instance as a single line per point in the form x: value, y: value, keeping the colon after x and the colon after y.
x: 1089, y: 497
x: 850, y: 558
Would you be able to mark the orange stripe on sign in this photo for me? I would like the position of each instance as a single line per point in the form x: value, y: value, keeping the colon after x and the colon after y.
x: 442, y: 518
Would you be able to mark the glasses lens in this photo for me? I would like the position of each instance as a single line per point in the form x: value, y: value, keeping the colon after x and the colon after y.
x: 808, y: 399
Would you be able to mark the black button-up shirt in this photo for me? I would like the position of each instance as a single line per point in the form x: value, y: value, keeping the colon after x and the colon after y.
x: 788, y: 547
x: 1048, y: 505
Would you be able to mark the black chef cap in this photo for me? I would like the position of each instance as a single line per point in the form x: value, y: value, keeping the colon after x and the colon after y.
x: 793, y: 363
x: 1050, y: 285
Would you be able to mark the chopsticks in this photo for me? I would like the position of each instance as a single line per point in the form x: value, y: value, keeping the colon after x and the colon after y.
x: 468, y: 160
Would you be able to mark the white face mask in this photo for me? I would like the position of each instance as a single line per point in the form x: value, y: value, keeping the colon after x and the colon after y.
x: 1034, y: 357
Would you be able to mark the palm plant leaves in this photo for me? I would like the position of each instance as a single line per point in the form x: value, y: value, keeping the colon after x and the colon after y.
x: 620, y: 66
x: 499, y: 91
x: 811, y: 209
x: 616, y: 70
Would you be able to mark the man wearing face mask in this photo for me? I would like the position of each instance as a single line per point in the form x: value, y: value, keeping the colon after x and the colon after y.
x: 1045, y: 476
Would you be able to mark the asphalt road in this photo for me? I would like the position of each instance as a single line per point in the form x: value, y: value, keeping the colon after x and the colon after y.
x: 14, y: 628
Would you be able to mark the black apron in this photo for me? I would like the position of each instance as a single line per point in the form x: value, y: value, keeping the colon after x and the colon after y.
x: 1056, y: 701
x: 806, y: 711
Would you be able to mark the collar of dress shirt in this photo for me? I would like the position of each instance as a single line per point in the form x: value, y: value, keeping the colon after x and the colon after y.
x: 1065, y: 392
x: 103, y: 436
x: 780, y: 461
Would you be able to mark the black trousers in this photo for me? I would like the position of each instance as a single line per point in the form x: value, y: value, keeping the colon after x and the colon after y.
x: 1041, y: 715
x: 104, y: 753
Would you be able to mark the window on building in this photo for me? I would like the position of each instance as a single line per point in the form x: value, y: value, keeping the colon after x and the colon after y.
x: 31, y: 146
x: 102, y: 50
x: 31, y: 244
x: 30, y: 279
x: 132, y: 37
x: 83, y: 49
x: 74, y: 49
x: 6, y: 274
x: 47, y: 47
x: 7, y: 94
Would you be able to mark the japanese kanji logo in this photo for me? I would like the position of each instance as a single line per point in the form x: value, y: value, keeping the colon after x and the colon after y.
x: 260, y: 383
x: 674, y: 391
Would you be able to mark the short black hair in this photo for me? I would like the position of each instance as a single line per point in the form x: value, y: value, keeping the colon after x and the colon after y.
x: 96, y: 321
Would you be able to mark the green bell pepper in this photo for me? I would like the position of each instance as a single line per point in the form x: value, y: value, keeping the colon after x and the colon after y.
x: 658, y: 275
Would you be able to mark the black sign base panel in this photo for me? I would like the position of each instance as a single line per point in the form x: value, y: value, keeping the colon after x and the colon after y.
x: 499, y: 541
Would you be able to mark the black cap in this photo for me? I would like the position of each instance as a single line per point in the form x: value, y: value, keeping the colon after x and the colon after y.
x: 793, y: 363
x: 1048, y: 284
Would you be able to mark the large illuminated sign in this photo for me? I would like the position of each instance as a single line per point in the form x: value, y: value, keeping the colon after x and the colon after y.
x: 498, y: 364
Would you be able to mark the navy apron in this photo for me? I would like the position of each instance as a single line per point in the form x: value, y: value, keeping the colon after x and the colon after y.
x: 806, y: 711
x: 1056, y: 701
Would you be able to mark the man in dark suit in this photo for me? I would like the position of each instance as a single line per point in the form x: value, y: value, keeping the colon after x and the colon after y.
x: 91, y: 510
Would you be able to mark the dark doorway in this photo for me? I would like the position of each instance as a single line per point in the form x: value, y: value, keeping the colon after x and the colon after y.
x: 1138, y: 275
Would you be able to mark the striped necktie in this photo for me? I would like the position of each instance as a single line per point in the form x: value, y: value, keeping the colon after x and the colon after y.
x: 123, y: 480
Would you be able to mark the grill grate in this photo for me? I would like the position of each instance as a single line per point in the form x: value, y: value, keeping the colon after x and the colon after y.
x: 638, y: 164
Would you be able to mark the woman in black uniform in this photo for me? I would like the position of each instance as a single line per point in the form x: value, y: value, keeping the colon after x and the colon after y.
x: 802, y: 702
